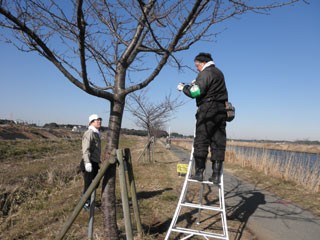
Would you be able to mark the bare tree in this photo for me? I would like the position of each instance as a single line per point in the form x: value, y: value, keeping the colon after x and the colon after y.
x: 151, y: 116
x: 95, y: 44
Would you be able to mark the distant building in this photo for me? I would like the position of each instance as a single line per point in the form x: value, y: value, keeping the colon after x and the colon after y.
x: 79, y: 128
x: 75, y: 129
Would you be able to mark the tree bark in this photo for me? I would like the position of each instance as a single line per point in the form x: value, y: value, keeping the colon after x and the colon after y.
x: 109, y: 181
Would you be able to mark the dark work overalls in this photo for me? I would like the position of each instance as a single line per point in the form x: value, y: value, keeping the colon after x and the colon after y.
x: 211, y: 117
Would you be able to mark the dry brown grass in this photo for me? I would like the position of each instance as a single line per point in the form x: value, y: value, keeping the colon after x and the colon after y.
x: 185, y: 144
x: 267, y: 164
x: 17, y: 131
x: 296, y: 172
x: 39, y: 194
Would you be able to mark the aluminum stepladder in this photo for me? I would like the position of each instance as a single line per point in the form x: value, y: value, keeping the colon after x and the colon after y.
x: 221, y: 209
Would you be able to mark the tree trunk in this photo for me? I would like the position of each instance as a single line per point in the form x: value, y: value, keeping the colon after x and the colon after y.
x: 109, y: 181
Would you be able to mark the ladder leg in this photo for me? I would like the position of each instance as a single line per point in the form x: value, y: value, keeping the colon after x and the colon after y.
x: 182, y: 196
x: 201, y: 196
x: 221, y: 209
x: 224, y: 217
x: 91, y: 220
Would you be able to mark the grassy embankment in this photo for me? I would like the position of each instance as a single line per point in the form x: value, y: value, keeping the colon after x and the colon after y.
x: 292, y: 182
x: 40, y: 187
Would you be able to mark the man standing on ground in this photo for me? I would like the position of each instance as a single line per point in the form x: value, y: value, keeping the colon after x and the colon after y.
x: 91, y: 152
x: 210, y: 92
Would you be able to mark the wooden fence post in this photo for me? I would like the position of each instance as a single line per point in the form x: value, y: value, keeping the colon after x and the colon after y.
x: 144, y: 152
x: 133, y: 192
x: 124, y: 196
x: 153, y: 142
x: 86, y: 195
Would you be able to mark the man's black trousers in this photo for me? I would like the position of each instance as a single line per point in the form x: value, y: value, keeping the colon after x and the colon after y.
x: 88, y: 176
x: 210, y: 131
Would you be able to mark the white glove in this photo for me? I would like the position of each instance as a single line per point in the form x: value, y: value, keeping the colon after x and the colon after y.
x: 180, y: 86
x: 88, y: 167
x: 193, y: 82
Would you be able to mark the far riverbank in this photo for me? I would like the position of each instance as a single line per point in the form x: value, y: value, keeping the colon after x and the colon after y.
x: 279, y: 146
x: 293, y: 147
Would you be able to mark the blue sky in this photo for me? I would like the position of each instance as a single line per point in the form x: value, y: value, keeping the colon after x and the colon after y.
x: 271, y: 66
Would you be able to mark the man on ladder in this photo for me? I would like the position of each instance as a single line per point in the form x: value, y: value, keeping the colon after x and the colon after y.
x: 214, y: 110
x: 209, y: 90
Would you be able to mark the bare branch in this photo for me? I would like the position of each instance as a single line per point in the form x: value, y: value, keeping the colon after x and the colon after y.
x: 100, y: 88
x: 96, y: 32
x: 165, y: 57
x: 82, y: 30
x: 35, y: 43
x: 149, y: 115
x: 139, y: 30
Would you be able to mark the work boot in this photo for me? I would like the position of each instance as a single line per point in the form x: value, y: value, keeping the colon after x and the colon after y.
x: 86, y: 206
x: 216, y: 172
x: 199, y: 168
x: 198, y: 174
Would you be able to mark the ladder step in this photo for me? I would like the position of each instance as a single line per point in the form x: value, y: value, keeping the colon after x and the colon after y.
x: 192, y: 205
x: 199, y: 233
x: 204, y: 182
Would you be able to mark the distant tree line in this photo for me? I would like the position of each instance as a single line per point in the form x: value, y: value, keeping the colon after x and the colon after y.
x: 134, y: 132
x: 307, y: 142
x: 178, y: 135
x: 5, y: 121
x: 159, y: 133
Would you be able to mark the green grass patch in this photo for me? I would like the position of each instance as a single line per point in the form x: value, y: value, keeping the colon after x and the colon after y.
x: 169, y: 197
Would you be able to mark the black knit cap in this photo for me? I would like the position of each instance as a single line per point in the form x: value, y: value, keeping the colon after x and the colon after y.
x: 203, y: 57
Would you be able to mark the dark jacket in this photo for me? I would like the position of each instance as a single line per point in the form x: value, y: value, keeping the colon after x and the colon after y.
x: 213, y: 94
x: 212, y: 86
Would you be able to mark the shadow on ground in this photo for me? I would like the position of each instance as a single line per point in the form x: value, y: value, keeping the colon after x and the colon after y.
x: 151, y: 194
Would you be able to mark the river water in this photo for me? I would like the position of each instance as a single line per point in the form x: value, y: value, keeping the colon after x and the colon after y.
x: 310, y: 161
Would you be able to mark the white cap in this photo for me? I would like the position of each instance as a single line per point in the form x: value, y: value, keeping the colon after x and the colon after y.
x: 93, y: 117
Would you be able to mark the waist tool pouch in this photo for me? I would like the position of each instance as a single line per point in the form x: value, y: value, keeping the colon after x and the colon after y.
x: 230, y: 110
